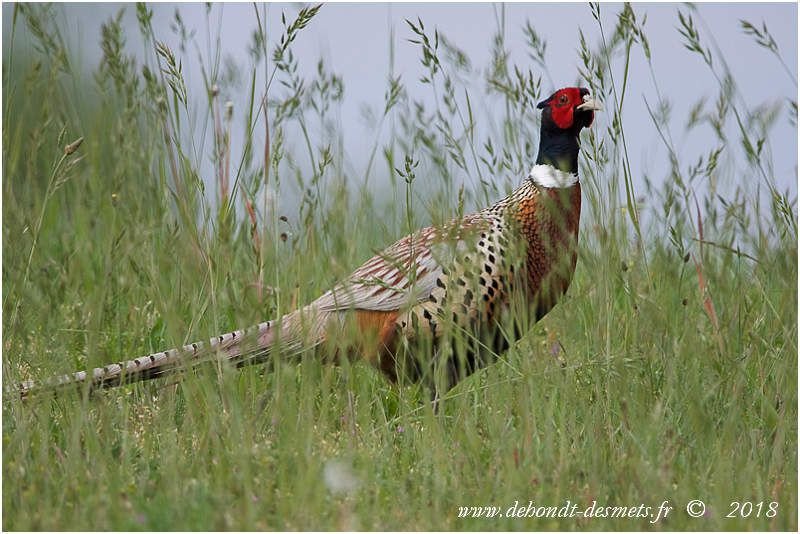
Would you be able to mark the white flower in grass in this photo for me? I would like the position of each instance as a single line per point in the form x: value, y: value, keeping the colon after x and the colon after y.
x: 339, y: 477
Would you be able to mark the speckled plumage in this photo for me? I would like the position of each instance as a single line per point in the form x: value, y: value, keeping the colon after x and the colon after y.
x: 469, y: 270
x: 401, y: 305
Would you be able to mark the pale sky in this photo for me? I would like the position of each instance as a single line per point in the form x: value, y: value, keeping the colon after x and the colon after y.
x: 353, y: 39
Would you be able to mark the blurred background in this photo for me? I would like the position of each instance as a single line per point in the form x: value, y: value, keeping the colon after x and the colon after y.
x: 366, y: 45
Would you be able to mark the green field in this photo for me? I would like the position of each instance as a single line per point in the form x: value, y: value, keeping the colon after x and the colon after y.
x: 667, y: 373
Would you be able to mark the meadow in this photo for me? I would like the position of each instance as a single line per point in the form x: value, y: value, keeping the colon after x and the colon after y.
x: 667, y: 373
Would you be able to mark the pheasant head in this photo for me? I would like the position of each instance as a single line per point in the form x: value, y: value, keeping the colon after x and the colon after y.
x: 564, y: 114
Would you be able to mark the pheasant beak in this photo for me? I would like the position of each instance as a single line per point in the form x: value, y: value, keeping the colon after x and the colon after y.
x: 589, y: 104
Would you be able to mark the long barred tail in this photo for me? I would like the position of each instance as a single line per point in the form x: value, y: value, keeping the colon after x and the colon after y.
x: 241, y: 347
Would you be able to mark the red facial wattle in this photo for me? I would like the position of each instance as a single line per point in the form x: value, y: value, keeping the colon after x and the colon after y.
x: 562, y: 116
x: 562, y: 106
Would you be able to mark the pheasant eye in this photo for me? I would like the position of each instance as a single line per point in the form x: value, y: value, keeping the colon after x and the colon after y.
x: 563, y: 99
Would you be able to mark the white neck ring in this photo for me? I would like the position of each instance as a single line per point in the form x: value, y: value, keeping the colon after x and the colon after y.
x: 549, y: 176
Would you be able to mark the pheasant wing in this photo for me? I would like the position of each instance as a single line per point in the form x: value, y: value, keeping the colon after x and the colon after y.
x: 406, y: 273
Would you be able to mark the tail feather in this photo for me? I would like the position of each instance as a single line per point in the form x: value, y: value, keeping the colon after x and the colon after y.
x: 240, y: 347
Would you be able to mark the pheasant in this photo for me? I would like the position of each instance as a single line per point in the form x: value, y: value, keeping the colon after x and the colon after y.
x: 407, y: 304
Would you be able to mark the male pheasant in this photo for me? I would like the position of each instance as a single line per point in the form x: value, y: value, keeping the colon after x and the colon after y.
x: 407, y: 304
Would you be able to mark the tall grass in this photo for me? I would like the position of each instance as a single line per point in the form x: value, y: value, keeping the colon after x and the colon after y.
x: 668, y: 372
